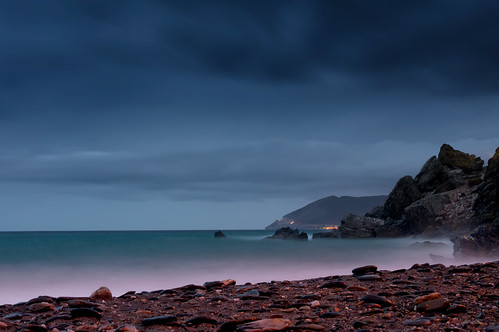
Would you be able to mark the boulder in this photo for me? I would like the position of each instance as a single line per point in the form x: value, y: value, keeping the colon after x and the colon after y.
x: 359, y: 227
x: 422, y: 214
x: 403, y: 194
x: 482, y: 242
x: 287, y: 233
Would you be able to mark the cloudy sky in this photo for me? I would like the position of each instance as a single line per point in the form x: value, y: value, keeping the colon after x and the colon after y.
x: 229, y: 114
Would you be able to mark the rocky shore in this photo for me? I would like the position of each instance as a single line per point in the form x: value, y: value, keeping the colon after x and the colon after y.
x: 424, y: 297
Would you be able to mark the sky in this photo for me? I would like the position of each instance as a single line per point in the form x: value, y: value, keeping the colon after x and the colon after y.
x: 127, y: 115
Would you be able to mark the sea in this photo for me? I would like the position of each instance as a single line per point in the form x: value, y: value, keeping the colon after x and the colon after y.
x: 77, y: 263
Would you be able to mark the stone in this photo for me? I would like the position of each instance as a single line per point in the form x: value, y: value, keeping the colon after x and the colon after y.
x: 426, y: 298
x: 159, y: 320
x: 334, y: 284
x: 41, y: 307
x: 42, y: 298
x: 362, y: 270
x: 287, y: 233
x: 228, y: 282
x: 263, y: 325
x: 436, y: 305
x: 127, y: 328
x: 310, y: 327
x: 457, y: 159
x: 201, y: 320
x: 219, y: 234
x: 356, y: 289
x: 417, y: 322
x: 213, y: 284
x: 231, y: 325
x: 381, y: 300
x: 369, y: 277
x: 13, y: 316
x: 85, y: 312
x: 81, y: 304
x: 456, y: 309
x: 333, y: 234
x: 353, y: 226
x: 331, y: 314
x: 103, y: 293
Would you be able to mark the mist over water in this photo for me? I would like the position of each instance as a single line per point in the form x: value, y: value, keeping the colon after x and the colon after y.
x: 76, y: 263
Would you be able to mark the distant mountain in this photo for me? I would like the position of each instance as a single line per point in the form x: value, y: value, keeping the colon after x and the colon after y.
x: 327, y: 212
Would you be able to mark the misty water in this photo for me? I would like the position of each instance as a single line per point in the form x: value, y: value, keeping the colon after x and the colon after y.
x: 76, y: 263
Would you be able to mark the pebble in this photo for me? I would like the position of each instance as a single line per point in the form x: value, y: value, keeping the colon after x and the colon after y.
x: 127, y: 328
x: 334, y: 284
x: 368, y: 277
x: 436, y: 305
x: 315, y: 304
x: 426, y: 298
x: 85, y: 312
x: 103, y: 293
x: 356, y: 288
x: 41, y: 307
x: 365, y: 270
x: 417, y: 322
x: 201, y: 320
x: 381, y: 300
x: 159, y: 320
x: 262, y: 325
x: 331, y: 314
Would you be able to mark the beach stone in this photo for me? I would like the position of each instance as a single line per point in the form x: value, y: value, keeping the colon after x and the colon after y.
x: 382, y: 301
x: 40, y: 299
x: 457, y: 309
x: 3, y: 325
x: 228, y: 282
x: 81, y: 304
x: 365, y: 270
x: 334, y: 284
x: 493, y: 328
x: 311, y: 327
x: 356, y: 288
x: 331, y: 314
x: 436, y: 305
x: 159, y: 320
x: 231, y: 325
x: 13, y: 316
x: 315, y: 304
x: 213, y: 284
x: 250, y: 295
x: 85, y: 312
x: 103, y: 293
x: 41, y: 307
x: 127, y: 328
x: 201, y: 320
x: 417, y: 322
x: 369, y: 277
x: 35, y: 328
x: 426, y: 298
x: 263, y: 325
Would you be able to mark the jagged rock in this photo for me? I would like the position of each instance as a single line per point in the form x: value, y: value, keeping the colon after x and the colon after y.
x: 356, y: 226
x: 376, y: 212
x: 422, y: 213
x: 327, y: 235
x: 287, y: 233
x: 219, y: 234
x: 403, y: 194
x: 460, y: 160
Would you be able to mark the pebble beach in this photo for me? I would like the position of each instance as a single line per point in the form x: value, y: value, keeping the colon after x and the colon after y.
x: 430, y: 297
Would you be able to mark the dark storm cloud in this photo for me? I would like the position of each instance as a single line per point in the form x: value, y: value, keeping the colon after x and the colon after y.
x: 245, y: 172
x: 95, y: 55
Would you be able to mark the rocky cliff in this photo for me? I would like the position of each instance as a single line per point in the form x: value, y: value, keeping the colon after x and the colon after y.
x: 453, y: 195
x: 327, y: 211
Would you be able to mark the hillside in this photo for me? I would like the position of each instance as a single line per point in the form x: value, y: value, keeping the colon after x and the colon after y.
x: 327, y: 211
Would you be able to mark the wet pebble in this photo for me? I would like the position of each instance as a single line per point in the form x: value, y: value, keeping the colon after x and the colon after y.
x: 103, y: 293
x: 368, y: 269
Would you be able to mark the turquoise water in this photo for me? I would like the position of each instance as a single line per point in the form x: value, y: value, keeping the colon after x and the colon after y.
x: 76, y: 263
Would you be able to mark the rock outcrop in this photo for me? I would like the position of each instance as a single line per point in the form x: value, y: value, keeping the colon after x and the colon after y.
x: 287, y: 233
x: 453, y: 195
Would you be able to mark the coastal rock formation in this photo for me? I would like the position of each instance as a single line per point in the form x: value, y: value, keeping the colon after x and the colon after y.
x: 287, y: 233
x: 452, y: 195
x: 356, y: 226
x: 219, y: 234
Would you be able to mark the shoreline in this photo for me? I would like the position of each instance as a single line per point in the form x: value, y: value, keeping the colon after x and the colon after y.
x: 458, y: 298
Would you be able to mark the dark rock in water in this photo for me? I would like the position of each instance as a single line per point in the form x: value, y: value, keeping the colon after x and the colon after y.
x: 482, y: 242
x: 102, y: 293
x: 159, y: 320
x: 220, y: 234
x: 365, y: 270
x: 381, y: 300
x: 287, y: 233
x: 85, y: 312
x: 403, y: 194
x: 327, y: 235
x: 359, y: 227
